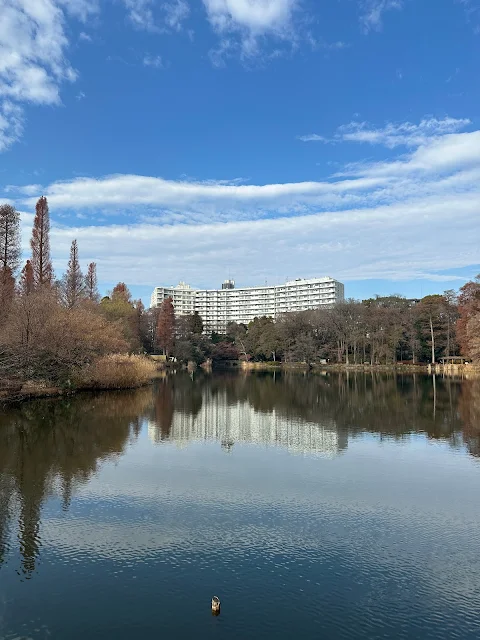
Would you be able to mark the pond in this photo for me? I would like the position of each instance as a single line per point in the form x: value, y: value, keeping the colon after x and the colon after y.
x: 329, y: 505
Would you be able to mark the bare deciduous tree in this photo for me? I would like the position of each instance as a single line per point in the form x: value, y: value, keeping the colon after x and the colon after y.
x: 73, y: 286
x: 91, y: 283
x: 40, y: 245
x: 10, y: 250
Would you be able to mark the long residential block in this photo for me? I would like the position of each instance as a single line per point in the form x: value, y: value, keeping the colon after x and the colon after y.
x: 218, y: 307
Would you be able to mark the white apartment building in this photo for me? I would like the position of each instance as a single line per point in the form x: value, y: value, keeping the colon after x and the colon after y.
x: 218, y: 307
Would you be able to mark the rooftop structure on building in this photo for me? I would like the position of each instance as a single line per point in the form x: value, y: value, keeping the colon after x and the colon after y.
x: 218, y: 307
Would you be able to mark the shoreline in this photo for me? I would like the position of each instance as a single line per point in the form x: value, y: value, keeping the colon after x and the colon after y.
x: 12, y: 393
x: 39, y: 392
x: 450, y: 370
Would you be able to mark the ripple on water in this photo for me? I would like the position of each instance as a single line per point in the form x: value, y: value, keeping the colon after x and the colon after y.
x: 369, y: 544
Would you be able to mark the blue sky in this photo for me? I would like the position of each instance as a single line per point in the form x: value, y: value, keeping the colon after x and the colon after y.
x: 256, y: 139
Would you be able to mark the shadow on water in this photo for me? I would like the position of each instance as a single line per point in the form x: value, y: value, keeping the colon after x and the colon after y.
x: 50, y: 447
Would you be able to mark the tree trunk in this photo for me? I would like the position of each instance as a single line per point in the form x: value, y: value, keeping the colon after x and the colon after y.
x: 448, y: 336
x: 433, y: 340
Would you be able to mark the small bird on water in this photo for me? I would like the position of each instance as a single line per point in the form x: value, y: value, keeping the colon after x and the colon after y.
x: 215, y: 605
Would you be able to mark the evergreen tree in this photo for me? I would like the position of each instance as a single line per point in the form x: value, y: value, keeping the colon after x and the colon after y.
x: 196, y: 326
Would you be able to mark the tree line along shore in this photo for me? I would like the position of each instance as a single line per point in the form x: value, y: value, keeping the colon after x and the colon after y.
x: 61, y: 335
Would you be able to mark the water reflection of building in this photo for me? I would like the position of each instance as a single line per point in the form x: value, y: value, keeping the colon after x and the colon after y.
x: 239, y: 422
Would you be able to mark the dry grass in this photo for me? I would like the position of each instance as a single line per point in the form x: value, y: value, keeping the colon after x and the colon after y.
x: 117, y: 371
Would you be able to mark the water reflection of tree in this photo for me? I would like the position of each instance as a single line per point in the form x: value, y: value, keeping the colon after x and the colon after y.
x: 175, y: 393
x: 390, y: 405
x: 469, y: 409
x: 52, y: 445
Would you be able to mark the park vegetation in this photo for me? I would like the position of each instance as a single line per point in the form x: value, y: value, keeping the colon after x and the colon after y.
x: 60, y: 333
x: 385, y: 330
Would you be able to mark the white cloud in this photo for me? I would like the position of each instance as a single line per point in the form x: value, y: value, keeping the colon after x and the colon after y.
x: 373, y: 10
x: 11, y: 124
x: 80, y: 95
x: 33, y: 43
x: 176, y: 12
x: 313, y: 137
x: 85, y: 37
x: 243, y: 23
x: 443, y: 165
x: 157, y: 17
x: 457, y: 154
x: 153, y: 61
x: 393, y: 134
x: 140, y: 14
x: 81, y: 9
x: 33, y: 64
x: 408, y: 134
x: 368, y: 221
x: 210, y: 197
x: 384, y: 242
x: 28, y: 190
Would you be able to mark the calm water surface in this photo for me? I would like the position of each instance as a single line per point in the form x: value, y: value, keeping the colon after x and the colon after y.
x: 326, y: 506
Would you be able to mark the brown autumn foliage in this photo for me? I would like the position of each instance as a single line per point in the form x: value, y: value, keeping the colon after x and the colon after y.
x: 72, y: 285
x: 26, y: 284
x: 57, y: 333
x: 119, y: 308
x: 7, y: 291
x: 91, y: 283
x: 468, y: 325
x: 40, y: 245
x: 166, y: 326
x: 44, y: 340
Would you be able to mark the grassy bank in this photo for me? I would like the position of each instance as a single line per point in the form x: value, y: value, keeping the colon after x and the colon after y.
x: 116, y: 371
x: 111, y: 372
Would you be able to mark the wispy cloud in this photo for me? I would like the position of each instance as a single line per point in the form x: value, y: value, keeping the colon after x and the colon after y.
x: 153, y: 61
x: 176, y: 12
x: 314, y: 137
x: 382, y: 242
x: 244, y: 26
x: 140, y: 14
x: 472, y: 11
x: 81, y: 9
x: 444, y: 166
x: 369, y: 220
x: 80, y: 96
x: 159, y: 17
x: 372, y: 12
x: 11, y: 124
x: 392, y: 134
x: 85, y: 37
